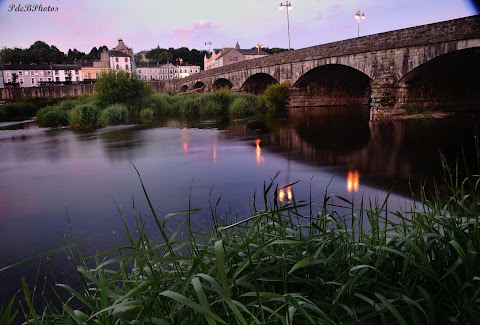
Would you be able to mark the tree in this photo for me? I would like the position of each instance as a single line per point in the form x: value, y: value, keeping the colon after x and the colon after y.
x: 14, y: 79
x: 68, y: 78
x: 124, y: 88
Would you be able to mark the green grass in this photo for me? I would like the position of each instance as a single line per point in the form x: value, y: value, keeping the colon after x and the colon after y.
x: 285, y: 263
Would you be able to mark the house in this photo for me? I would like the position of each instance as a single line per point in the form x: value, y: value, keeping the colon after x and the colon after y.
x: 166, y: 71
x: 67, y: 73
x: 121, y: 57
x: 228, y: 55
x: 91, y: 70
x: 27, y: 75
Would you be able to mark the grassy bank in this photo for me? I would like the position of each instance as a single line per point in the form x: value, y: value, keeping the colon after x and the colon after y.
x: 286, y: 263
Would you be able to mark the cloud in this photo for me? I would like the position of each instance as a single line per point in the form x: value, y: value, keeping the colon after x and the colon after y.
x: 201, y: 26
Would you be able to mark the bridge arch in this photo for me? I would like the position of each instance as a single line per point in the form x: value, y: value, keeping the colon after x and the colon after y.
x: 258, y: 82
x: 184, y: 88
x: 331, y: 85
x: 222, y: 83
x: 450, y: 80
x: 199, y: 85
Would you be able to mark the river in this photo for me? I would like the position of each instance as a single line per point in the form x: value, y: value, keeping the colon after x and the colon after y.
x: 58, y: 184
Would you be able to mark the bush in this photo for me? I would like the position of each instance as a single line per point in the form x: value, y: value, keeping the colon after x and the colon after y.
x: 186, y: 105
x: 122, y: 87
x: 161, y: 104
x: 113, y: 115
x: 146, y: 115
x: 84, y: 116
x: 242, y: 106
x: 215, y: 103
x: 413, y: 109
x: 276, y: 97
x: 52, y: 116
x: 18, y: 110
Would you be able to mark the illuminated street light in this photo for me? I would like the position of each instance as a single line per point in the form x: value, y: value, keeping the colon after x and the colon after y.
x: 258, y: 46
x: 359, y: 15
x: 288, y: 5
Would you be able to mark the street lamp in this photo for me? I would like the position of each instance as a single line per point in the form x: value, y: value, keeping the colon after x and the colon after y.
x: 258, y: 46
x: 359, y: 15
x: 208, y: 43
x: 288, y: 5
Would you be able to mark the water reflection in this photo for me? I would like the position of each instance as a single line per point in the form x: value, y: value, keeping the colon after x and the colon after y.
x: 258, y: 152
x: 353, y: 181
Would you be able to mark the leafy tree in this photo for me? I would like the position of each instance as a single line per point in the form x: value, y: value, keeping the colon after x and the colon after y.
x: 272, y: 50
x: 122, y: 87
x: 74, y: 55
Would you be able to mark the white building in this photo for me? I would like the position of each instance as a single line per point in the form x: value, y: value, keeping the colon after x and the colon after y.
x: 121, y: 57
x: 166, y: 71
x: 34, y: 75
x: 228, y: 55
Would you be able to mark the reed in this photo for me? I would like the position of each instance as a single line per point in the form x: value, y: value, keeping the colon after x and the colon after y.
x: 297, y: 262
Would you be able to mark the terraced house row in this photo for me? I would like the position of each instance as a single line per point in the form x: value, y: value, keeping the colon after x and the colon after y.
x: 119, y: 58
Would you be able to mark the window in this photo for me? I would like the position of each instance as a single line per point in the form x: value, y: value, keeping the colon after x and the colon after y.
x: 126, y: 60
x: 151, y: 77
x: 116, y: 59
x: 139, y: 71
x: 20, y: 73
x: 118, y: 67
x: 40, y: 73
x: 56, y: 72
x: 49, y: 79
x: 77, y: 72
x: 171, y: 76
x: 9, y: 80
x: 89, y: 75
x: 31, y: 72
x: 97, y: 75
x: 40, y: 79
x: 21, y: 81
x: 77, y: 78
x: 57, y: 78
x: 33, y: 81
x: 48, y: 72
x: 126, y: 66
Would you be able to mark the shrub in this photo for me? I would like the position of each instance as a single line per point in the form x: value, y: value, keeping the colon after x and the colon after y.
x: 215, y: 103
x: 124, y: 88
x: 161, y: 104
x: 413, y: 109
x: 276, y: 96
x: 84, y: 116
x: 113, y: 115
x: 186, y: 105
x: 146, y: 115
x: 52, y: 116
x: 18, y: 110
x: 242, y: 106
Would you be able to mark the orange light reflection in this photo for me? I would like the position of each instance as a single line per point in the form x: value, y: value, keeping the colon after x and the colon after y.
x: 353, y: 180
x: 260, y: 159
x: 281, y: 194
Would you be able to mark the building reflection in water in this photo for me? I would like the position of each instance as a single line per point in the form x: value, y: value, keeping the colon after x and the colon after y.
x: 259, y: 156
x: 214, y: 154
x: 353, y: 180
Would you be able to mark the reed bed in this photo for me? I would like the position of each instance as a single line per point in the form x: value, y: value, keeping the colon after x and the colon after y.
x: 285, y: 263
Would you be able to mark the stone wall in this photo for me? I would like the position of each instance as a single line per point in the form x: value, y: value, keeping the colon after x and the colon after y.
x: 58, y: 91
x: 12, y: 94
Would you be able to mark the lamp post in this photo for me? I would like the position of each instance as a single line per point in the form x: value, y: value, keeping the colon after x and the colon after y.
x: 258, y: 46
x: 288, y: 5
x: 208, y: 43
x: 359, y: 15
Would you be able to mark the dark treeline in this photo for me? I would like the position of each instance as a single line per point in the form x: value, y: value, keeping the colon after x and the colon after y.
x: 180, y: 56
x: 40, y: 52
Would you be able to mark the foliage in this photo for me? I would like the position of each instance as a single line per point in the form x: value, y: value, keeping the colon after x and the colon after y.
x: 161, y: 105
x: 214, y: 103
x: 186, y: 105
x: 413, y: 109
x: 84, y: 116
x: 244, y: 104
x: 181, y: 55
x: 146, y: 115
x: 124, y: 88
x: 276, y: 96
x: 113, y: 115
x: 272, y: 50
x: 52, y: 116
x: 18, y: 110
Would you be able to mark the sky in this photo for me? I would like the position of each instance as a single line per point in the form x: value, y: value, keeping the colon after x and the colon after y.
x: 146, y: 24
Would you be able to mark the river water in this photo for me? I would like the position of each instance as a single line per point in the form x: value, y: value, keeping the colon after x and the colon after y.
x: 52, y: 177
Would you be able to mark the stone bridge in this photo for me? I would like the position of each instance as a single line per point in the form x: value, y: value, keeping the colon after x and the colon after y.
x: 435, y: 65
